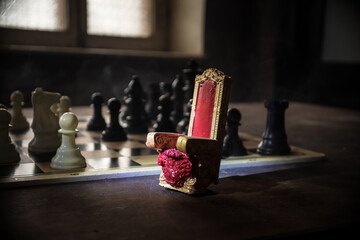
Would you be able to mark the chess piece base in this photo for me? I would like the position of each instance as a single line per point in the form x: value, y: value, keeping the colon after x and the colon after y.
x: 96, y: 125
x: 269, y: 147
x: 68, y: 159
x: 112, y: 136
x: 44, y: 142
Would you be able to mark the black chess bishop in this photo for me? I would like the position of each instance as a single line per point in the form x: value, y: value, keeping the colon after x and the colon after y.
x: 135, y: 117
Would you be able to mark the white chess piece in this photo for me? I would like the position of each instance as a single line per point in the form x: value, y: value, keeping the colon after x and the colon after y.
x: 64, y: 105
x: 18, y: 121
x: 8, y: 153
x: 68, y: 155
x: 45, y: 124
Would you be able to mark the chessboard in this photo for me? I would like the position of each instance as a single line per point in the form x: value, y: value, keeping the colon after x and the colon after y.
x: 131, y: 158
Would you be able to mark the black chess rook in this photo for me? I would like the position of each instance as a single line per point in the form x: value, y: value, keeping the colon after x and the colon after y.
x: 274, y: 139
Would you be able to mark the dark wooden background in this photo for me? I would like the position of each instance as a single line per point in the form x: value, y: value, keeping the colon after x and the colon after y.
x: 270, y: 48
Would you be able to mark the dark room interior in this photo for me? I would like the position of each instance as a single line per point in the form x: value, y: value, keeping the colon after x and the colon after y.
x: 306, y: 52
x: 295, y: 50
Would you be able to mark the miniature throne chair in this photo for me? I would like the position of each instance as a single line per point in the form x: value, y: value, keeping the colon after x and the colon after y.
x: 191, y: 163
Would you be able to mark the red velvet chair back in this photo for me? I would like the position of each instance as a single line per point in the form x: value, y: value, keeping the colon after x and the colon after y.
x: 204, y: 110
x: 209, y: 109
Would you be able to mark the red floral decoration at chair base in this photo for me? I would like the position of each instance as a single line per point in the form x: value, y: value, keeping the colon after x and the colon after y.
x: 176, y: 166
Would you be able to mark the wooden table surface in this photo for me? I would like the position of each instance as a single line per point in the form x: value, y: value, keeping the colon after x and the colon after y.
x: 320, y: 200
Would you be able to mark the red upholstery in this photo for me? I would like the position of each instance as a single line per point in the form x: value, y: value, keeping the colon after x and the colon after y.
x: 204, y: 110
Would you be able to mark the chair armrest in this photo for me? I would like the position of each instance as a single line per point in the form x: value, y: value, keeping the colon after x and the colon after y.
x: 197, y: 146
x: 162, y: 140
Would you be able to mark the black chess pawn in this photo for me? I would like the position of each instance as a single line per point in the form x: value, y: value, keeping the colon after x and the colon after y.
x: 183, y: 126
x: 114, y: 132
x: 18, y: 121
x: 163, y: 121
x: 135, y: 119
x: 97, y: 122
x: 274, y: 140
x: 189, y: 76
x: 177, y: 99
x: 233, y: 145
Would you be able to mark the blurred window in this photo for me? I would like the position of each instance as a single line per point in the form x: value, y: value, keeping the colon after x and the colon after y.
x: 123, y: 24
x: 43, y: 15
x: 122, y: 18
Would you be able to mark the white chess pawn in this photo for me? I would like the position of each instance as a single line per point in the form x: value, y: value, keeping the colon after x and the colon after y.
x: 8, y: 153
x: 18, y: 121
x: 68, y: 155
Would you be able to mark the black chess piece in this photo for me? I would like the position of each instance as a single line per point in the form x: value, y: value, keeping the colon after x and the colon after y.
x: 183, y: 126
x: 163, y: 121
x: 233, y: 145
x: 8, y: 152
x: 274, y: 140
x: 154, y: 100
x: 114, y: 132
x: 18, y: 120
x: 135, y: 119
x: 189, y: 76
x: 97, y: 122
x: 177, y: 99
